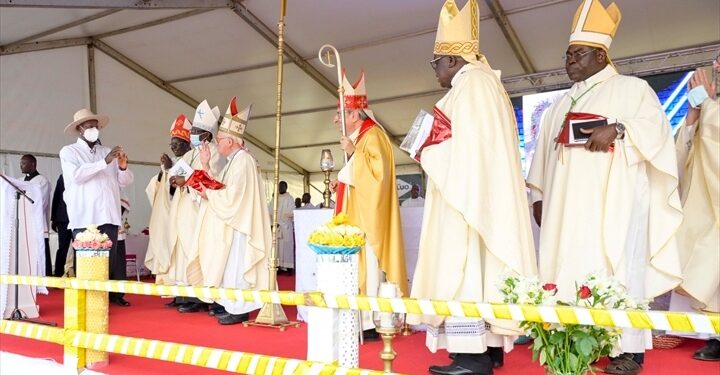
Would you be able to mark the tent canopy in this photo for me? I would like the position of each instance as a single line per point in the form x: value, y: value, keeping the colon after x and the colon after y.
x: 143, y: 62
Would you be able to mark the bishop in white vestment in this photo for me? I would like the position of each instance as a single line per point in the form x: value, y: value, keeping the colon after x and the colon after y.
x: 610, y: 204
x: 235, y: 235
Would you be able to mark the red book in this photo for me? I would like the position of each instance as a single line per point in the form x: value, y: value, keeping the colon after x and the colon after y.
x: 571, y: 134
x: 201, y: 177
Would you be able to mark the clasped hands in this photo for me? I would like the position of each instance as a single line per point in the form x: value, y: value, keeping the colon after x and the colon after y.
x: 118, y: 153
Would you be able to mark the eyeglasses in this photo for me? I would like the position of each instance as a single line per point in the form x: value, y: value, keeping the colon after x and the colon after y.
x: 576, y: 56
x: 434, y: 62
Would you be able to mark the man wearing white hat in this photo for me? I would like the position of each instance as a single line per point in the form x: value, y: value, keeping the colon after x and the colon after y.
x: 186, y: 205
x: 472, y: 162
x: 235, y: 236
x: 94, y: 175
x: 611, y: 203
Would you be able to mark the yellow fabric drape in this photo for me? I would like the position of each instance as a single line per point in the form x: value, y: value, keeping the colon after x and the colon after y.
x: 373, y: 206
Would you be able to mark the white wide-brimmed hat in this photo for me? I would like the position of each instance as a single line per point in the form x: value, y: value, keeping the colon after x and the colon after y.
x: 85, y: 115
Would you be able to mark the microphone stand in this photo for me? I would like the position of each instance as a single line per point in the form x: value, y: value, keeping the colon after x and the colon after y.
x: 18, y: 314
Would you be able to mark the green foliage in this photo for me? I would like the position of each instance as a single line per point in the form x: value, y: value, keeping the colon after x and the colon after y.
x: 570, y: 349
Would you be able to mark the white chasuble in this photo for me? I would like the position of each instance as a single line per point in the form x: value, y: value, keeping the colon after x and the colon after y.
x: 475, y: 224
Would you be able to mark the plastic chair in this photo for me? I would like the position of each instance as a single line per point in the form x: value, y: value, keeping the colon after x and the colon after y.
x: 131, y: 259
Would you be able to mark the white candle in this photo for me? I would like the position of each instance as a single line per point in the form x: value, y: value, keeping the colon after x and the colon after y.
x: 387, y: 290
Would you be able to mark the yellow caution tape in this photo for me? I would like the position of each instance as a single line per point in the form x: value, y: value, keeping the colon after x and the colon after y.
x: 239, y: 362
x: 660, y: 320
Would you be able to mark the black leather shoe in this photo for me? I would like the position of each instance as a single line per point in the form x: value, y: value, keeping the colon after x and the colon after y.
x: 497, y: 356
x: 193, y: 307
x: 120, y: 302
x: 370, y: 335
x: 216, y: 309
x: 233, y: 319
x: 709, y: 352
x: 221, y: 315
x: 173, y: 303
x: 454, y: 370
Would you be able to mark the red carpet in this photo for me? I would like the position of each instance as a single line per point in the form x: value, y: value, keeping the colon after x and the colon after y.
x: 148, y: 318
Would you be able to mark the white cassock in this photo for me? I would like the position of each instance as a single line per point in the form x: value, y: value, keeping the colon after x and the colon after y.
x: 286, y: 238
x: 44, y: 184
x: 410, y: 202
x: 31, y: 247
x: 610, y: 211
x: 157, y: 258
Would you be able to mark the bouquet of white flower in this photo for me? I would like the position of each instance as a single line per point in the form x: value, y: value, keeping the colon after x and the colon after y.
x: 570, y: 349
x: 92, y: 238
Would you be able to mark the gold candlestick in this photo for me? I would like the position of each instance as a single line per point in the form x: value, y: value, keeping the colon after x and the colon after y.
x: 406, y: 331
x: 387, y: 354
x: 388, y: 324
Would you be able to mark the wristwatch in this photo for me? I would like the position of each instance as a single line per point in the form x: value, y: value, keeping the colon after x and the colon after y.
x: 620, y: 129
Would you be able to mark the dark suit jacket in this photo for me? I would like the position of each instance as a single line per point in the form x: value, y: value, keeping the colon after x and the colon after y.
x: 58, y: 212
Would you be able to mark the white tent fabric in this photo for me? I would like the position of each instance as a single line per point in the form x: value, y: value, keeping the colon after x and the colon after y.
x: 206, y: 50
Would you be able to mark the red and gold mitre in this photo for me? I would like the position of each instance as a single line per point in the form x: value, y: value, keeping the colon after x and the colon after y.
x: 355, y: 95
x: 180, y: 128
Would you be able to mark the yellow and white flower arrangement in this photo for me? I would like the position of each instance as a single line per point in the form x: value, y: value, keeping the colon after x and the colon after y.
x: 337, y: 234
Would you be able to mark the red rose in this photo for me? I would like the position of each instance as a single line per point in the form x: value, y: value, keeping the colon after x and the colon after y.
x: 584, y: 292
x: 550, y: 287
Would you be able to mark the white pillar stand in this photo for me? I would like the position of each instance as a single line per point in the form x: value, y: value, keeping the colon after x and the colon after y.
x: 333, y: 333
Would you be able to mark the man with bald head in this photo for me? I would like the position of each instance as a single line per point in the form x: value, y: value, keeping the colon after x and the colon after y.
x: 611, y: 204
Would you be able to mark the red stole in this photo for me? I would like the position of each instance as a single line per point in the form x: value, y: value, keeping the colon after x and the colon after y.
x: 441, y: 131
x: 340, y: 191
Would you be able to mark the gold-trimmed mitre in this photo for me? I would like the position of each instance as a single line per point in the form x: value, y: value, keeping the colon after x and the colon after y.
x: 234, y: 122
x: 180, y: 128
x: 457, y: 32
x: 594, y: 25
x: 355, y: 95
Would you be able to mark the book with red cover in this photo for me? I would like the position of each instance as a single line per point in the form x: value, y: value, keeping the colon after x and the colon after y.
x: 570, y: 134
x: 200, y: 176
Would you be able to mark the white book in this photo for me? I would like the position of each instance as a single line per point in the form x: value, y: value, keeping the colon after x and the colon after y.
x: 418, y: 133
x: 181, y: 168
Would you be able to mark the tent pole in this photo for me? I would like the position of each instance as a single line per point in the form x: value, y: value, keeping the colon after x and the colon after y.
x: 272, y: 315
x: 91, y: 77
